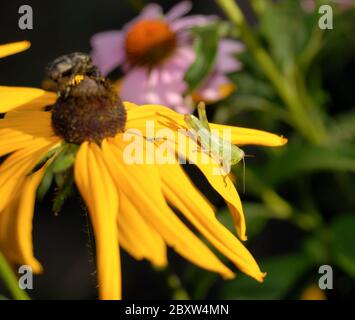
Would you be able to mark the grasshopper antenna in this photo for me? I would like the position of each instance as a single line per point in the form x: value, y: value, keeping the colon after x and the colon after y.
x: 245, y: 156
x: 243, y: 174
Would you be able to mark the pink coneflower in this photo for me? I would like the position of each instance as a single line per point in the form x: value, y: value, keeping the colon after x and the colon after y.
x: 310, y: 5
x: 155, y: 51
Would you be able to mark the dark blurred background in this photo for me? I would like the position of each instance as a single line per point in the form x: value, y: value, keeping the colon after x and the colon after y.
x: 61, y: 27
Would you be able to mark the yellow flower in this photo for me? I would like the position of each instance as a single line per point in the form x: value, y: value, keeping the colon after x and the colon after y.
x: 128, y: 203
x: 12, y: 48
x: 313, y: 292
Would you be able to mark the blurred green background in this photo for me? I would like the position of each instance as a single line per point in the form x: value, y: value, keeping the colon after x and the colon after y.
x: 299, y: 200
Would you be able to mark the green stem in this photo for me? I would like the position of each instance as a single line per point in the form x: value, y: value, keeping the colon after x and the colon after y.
x: 312, y: 130
x: 11, y: 280
x: 311, y: 50
x: 174, y: 282
x: 279, y: 207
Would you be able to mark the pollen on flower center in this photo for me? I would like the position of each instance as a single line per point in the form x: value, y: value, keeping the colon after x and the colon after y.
x: 91, y: 112
x: 149, y: 42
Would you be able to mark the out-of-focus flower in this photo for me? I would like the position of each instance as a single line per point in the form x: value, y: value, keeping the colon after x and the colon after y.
x: 310, y: 5
x: 13, y: 47
x: 156, y: 50
x: 128, y: 203
x: 313, y: 292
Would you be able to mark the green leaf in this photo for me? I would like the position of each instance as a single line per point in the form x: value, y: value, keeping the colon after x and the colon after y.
x: 297, y: 158
x: 343, y: 243
x: 65, y: 159
x: 63, y: 192
x: 43, y: 161
x: 343, y: 127
x: 316, y: 249
x: 252, y: 85
x: 286, y: 27
x: 206, y: 45
x: 61, y: 162
x: 256, y: 216
x: 45, y: 183
x: 283, y: 272
x: 231, y: 111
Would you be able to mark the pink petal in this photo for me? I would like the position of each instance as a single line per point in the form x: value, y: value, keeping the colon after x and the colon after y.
x: 186, y: 108
x: 183, y: 58
x: 163, y: 85
x: 308, y: 5
x: 345, y: 4
x: 170, y: 87
x: 192, y: 21
x: 134, y: 85
x: 108, y: 50
x: 210, y: 90
x: 231, y: 46
x: 178, y: 11
x: 226, y: 62
x: 151, y: 11
x: 228, y: 65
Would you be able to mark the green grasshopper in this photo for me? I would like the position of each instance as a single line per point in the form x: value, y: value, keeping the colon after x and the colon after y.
x: 218, y: 148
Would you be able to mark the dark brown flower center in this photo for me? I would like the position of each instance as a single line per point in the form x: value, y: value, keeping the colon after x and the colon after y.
x: 149, y: 42
x: 91, y: 112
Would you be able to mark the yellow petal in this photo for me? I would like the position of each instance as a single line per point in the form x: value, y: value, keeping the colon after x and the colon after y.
x: 216, y: 177
x: 129, y: 105
x: 12, y: 141
x: 24, y: 98
x: 225, y: 187
x: 137, y: 237
x: 165, y: 117
x: 15, y: 141
x: 19, y: 129
x: 246, y: 136
x: 14, y: 47
x: 183, y: 195
x: 36, y: 123
x: 100, y: 194
x: 16, y: 225
x: 14, y: 169
x: 313, y: 292
x: 140, y: 183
